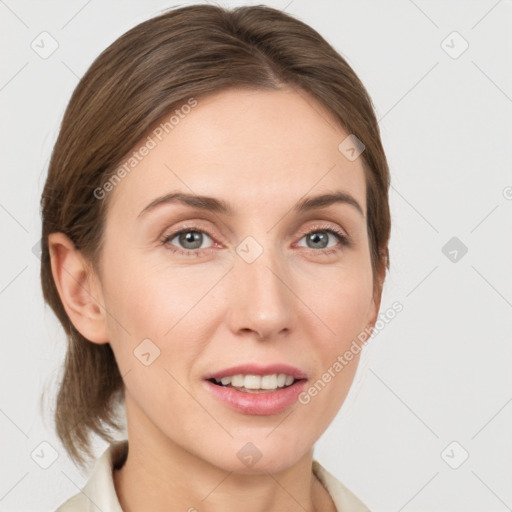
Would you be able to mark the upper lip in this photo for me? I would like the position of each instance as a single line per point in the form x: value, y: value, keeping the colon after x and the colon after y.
x: 254, y: 369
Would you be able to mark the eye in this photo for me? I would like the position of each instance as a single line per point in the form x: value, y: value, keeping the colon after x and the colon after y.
x: 189, y: 240
x: 318, y: 239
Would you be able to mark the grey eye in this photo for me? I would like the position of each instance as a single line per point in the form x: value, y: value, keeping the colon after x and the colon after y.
x: 190, y: 239
x: 318, y: 239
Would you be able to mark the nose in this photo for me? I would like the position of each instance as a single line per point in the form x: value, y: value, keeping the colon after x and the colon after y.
x: 262, y: 298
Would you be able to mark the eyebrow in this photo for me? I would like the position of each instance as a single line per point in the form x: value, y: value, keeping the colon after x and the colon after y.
x: 220, y: 206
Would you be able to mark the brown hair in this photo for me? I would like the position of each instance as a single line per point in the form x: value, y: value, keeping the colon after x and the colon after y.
x: 151, y: 69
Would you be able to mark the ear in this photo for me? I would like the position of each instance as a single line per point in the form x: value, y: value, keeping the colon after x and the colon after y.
x: 373, y: 310
x: 79, y: 288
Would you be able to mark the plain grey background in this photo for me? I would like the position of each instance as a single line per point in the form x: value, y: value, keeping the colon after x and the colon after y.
x: 428, y: 422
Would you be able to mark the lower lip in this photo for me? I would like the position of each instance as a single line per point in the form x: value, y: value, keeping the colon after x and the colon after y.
x: 259, y: 404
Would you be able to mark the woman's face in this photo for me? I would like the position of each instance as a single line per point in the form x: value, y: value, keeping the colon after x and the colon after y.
x: 247, y: 286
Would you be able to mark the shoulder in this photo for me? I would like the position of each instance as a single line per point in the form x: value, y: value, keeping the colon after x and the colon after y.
x: 343, y: 498
x: 77, y: 503
x: 99, y: 493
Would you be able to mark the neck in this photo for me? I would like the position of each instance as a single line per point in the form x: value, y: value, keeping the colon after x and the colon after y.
x: 159, y: 475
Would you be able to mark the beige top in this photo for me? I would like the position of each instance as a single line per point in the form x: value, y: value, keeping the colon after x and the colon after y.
x: 99, y: 493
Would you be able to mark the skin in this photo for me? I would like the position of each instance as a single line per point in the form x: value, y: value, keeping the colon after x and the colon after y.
x: 261, y: 151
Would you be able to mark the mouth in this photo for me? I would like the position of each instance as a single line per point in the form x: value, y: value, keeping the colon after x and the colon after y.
x: 256, y: 383
x: 257, y: 390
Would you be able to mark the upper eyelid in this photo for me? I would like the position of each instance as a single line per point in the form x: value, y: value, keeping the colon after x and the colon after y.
x: 196, y: 226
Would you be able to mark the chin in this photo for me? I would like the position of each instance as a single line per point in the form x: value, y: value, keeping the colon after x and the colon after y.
x: 262, y: 455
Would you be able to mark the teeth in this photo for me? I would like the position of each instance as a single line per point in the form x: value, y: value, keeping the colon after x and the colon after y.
x: 273, y: 381
x: 237, y: 381
x: 268, y: 382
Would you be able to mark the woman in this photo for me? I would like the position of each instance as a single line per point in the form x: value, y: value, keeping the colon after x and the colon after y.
x: 215, y: 237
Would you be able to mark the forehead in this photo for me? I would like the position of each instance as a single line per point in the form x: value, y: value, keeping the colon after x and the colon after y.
x: 252, y: 148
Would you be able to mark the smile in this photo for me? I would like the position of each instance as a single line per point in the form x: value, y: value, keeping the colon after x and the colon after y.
x: 256, y: 383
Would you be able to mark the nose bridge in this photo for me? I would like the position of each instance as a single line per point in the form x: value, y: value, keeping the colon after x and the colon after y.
x: 261, y: 299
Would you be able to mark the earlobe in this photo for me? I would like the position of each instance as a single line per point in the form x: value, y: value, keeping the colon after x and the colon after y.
x: 78, y: 287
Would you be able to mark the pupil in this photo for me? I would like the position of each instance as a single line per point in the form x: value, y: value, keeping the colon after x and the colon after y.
x: 315, y: 237
x: 192, y: 237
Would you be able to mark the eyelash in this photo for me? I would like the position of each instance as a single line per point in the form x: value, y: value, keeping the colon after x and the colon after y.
x: 343, y: 239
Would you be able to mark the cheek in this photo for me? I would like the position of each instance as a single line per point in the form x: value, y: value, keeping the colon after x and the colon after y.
x: 344, y: 317
x: 346, y: 313
x: 158, y: 303
x: 143, y: 297
x: 342, y: 306
x: 349, y: 311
